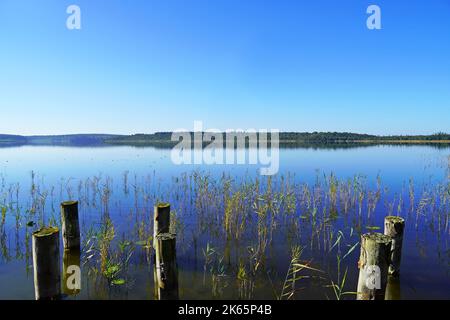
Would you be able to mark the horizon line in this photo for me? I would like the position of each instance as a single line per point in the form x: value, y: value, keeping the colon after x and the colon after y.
x: 191, y: 131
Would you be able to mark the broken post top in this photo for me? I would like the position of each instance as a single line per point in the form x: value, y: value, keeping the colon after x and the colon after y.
x: 394, y: 219
x: 45, y: 232
x: 394, y: 226
x: 162, y: 205
x: 377, y: 238
x: 69, y: 203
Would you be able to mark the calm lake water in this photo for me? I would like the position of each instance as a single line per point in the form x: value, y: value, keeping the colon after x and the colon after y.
x: 321, y: 200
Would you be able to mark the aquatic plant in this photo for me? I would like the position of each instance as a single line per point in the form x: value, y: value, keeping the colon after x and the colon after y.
x: 338, y: 284
x: 294, y: 274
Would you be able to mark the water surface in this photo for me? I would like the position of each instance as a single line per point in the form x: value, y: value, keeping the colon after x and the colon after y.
x: 120, y: 185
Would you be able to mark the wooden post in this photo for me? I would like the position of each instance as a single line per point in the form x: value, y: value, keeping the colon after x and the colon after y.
x: 155, y: 279
x: 166, y: 267
x: 161, y: 220
x: 70, y: 225
x: 46, y: 263
x: 394, y: 227
x: 373, y: 266
x: 393, y: 288
x: 71, y: 272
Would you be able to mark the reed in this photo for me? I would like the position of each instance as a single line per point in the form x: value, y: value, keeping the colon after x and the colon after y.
x: 253, y: 221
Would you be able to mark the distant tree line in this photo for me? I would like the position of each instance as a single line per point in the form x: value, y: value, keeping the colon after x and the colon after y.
x: 296, y: 137
x: 164, y: 139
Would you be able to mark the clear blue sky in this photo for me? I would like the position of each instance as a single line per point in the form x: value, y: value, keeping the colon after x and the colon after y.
x: 152, y: 65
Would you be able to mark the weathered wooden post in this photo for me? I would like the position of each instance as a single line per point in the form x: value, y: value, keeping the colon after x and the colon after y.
x: 161, y: 220
x: 71, y: 272
x: 393, y: 288
x: 166, y: 267
x: 394, y: 227
x: 155, y: 279
x: 46, y: 263
x: 70, y: 225
x: 373, y: 266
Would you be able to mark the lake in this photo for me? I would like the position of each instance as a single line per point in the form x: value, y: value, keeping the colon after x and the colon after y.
x: 236, y: 230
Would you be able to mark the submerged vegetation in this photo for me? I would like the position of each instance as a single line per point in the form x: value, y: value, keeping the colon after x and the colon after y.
x: 243, y: 238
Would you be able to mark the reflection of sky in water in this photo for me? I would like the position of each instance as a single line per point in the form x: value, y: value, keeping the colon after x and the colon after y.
x: 395, y: 164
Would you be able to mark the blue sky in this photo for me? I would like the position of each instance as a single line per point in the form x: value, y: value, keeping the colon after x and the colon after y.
x: 151, y: 65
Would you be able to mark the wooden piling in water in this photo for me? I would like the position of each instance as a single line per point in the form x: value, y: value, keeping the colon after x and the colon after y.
x: 70, y: 225
x: 161, y: 220
x: 166, y: 267
x: 393, y: 288
x: 373, y: 266
x: 46, y: 263
x: 394, y: 227
x: 71, y: 279
x: 155, y: 280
